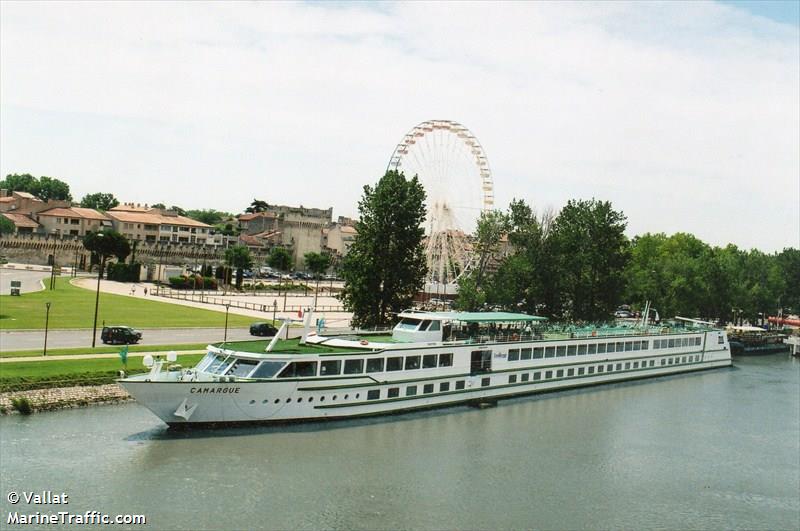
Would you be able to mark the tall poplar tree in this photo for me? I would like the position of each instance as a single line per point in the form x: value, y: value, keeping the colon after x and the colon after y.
x: 385, y: 266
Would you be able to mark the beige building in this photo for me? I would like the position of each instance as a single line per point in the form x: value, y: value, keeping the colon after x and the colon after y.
x: 72, y: 221
x: 22, y: 224
x: 26, y: 204
x: 154, y: 225
x: 337, y: 238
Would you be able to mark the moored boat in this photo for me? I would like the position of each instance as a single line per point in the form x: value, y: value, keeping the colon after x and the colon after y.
x: 431, y: 359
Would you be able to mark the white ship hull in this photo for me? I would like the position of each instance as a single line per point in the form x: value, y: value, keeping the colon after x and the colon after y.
x: 263, y: 401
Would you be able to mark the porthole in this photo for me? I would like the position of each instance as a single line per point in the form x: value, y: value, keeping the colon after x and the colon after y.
x: 288, y: 400
x: 322, y: 399
x: 277, y: 400
x: 310, y: 398
x: 357, y: 395
x: 252, y: 402
x: 264, y: 401
x: 346, y: 397
x: 334, y: 397
x: 300, y: 399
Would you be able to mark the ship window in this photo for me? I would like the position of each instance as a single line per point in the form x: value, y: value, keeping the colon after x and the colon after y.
x: 610, y: 367
x: 591, y: 349
x: 435, y: 326
x: 300, y: 399
x: 627, y: 366
x: 445, y: 360
x: 570, y: 372
x: 513, y: 354
x: 538, y: 353
x: 330, y: 367
x: 334, y: 397
x: 220, y: 363
x: 619, y: 366
x: 322, y: 398
x: 525, y: 377
x: 268, y: 369
x: 242, y: 368
x: 424, y: 326
x: 561, y: 350
x: 537, y: 376
x: 346, y: 397
x: 591, y: 370
x: 444, y: 386
x: 512, y: 378
x: 299, y: 369
x: 572, y: 350
x: 393, y: 392
x: 600, y: 368
x: 656, y: 343
x: 277, y: 400
x: 671, y: 343
x: 525, y: 354
x: 411, y: 390
x: 205, y: 361
x: 635, y: 364
x: 427, y: 388
x: 663, y: 361
x: 412, y: 362
x: 560, y: 373
x: 685, y: 342
x: 645, y: 344
x: 407, y: 323
x: 652, y: 363
x: 374, y: 394
x: 460, y: 384
x: 697, y: 341
x: 620, y: 346
x: 720, y: 340
x: 353, y: 366
x: 548, y: 375
x: 549, y: 352
x: 601, y: 348
x: 683, y: 359
x: 394, y: 364
x: 628, y: 346
x: 375, y: 365
x: 429, y: 361
x: 669, y: 361
x: 580, y: 371
x: 581, y: 350
x: 485, y: 382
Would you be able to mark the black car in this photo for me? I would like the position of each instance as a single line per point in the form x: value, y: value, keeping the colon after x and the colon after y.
x: 124, y: 335
x: 262, y: 329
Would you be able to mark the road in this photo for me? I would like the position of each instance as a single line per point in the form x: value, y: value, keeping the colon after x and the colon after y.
x: 30, y: 279
x: 15, y: 340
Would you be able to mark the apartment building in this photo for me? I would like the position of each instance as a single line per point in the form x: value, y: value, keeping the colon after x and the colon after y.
x: 72, y: 221
x: 149, y: 224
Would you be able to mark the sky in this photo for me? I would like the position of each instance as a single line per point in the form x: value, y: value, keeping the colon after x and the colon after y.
x: 685, y: 115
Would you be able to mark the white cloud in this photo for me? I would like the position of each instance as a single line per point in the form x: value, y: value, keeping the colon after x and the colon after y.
x: 684, y: 115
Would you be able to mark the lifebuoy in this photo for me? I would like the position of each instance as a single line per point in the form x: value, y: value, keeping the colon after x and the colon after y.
x: 364, y: 342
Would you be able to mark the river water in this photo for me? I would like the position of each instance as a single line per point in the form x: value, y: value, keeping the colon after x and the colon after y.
x: 718, y: 449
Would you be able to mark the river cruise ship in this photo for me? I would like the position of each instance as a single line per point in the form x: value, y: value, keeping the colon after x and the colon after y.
x: 431, y: 359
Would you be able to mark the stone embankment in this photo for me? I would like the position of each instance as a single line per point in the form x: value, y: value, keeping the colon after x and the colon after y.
x: 64, y: 397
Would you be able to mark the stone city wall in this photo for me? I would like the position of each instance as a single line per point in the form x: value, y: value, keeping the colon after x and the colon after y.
x: 65, y: 397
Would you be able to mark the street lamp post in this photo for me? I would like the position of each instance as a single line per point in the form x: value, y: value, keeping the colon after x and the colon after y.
x: 46, y: 325
x: 227, y: 307
x: 97, y: 294
x: 53, y: 265
x: 274, y: 310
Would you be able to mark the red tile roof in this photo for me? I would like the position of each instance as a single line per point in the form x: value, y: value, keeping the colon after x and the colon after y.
x: 21, y: 220
x: 154, y: 217
x: 74, y: 212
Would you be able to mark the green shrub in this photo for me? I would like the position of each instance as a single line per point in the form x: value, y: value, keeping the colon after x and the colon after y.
x: 193, y: 281
x: 22, y: 404
x: 122, y: 272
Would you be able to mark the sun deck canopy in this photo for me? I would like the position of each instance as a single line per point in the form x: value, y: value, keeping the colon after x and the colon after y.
x: 474, y: 317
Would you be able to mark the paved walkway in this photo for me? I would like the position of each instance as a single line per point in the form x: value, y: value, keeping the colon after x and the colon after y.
x: 31, y: 280
x: 336, y: 319
x: 94, y: 356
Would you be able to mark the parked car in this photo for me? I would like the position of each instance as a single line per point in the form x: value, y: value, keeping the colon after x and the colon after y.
x: 262, y: 329
x: 124, y: 335
x: 623, y: 314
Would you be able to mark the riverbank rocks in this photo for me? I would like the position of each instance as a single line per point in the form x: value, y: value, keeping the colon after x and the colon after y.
x: 65, y: 397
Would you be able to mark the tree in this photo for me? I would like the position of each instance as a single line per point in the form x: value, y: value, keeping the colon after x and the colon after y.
x: 45, y: 188
x: 209, y: 217
x: 106, y: 244
x: 178, y: 210
x: 238, y: 257
x: 491, y: 227
x: 280, y: 259
x: 317, y: 263
x: 590, y: 250
x: 257, y: 206
x: 159, y: 206
x: 6, y: 225
x: 385, y: 266
x: 99, y: 201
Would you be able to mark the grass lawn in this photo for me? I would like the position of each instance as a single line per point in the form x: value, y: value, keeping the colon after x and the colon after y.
x: 23, y: 375
x: 73, y: 307
x: 100, y: 350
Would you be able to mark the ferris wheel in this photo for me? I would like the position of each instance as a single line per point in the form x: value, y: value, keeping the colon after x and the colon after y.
x: 453, y: 168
